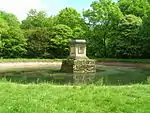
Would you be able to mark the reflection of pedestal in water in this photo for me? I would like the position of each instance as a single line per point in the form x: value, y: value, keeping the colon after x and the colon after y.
x: 87, y: 78
x: 78, y: 62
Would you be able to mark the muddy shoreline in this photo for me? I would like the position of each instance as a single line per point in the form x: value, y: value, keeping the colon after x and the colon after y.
x: 8, y: 65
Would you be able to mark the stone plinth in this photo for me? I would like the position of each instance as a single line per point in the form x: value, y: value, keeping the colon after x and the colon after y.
x: 78, y: 66
x: 78, y: 62
x: 78, y: 49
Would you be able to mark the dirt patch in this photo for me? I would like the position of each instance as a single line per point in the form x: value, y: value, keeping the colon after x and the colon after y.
x: 125, y: 64
x: 24, y: 65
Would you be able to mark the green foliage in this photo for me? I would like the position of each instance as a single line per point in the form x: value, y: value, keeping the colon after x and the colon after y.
x: 69, y: 17
x: 72, y: 19
x: 3, y: 26
x: 61, y: 35
x: 78, y: 33
x: 128, y: 42
x: 102, y: 17
x: 37, y: 29
x: 146, y: 35
x: 103, y: 12
x: 3, y: 31
x: 135, y: 7
x: 38, y: 43
x: 112, y: 29
x: 12, y: 40
x: 95, y: 45
x: 35, y: 20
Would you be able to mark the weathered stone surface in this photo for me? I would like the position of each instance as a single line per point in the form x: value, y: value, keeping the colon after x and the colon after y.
x: 78, y: 62
x: 78, y: 66
x: 78, y: 49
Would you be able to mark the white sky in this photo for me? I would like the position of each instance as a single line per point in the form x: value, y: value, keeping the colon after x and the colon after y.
x: 21, y: 7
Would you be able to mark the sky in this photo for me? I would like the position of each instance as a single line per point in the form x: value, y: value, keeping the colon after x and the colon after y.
x: 21, y: 7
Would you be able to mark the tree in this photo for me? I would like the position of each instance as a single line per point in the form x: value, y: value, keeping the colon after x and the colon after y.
x: 78, y: 33
x: 103, y: 17
x: 146, y: 35
x: 3, y: 26
x: 12, y: 40
x: 128, y: 43
x: 69, y: 17
x: 3, y: 31
x: 38, y: 43
x: 36, y: 20
x: 37, y: 29
x: 72, y: 19
x: 61, y: 35
x: 135, y: 7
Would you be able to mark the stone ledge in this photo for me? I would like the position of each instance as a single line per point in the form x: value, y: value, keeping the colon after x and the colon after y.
x: 78, y: 66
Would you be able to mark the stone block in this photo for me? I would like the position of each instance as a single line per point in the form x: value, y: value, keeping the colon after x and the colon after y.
x: 78, y: 66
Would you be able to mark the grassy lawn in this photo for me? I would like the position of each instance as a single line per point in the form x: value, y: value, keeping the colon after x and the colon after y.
x: 47, y: 98
x: 97, y: 59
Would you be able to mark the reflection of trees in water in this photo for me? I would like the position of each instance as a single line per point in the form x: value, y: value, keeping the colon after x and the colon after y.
x: 107, y: 76
x: 122, y: 78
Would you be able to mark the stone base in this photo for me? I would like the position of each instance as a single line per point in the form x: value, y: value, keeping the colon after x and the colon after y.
x: 78, y: 66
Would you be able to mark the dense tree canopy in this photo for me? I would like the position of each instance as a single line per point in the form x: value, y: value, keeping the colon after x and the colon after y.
x: 61, y: 35
x: 38, y: 43
x: 112, y: 29
x: 35, y: 20
x: 135, y: 7
x: 102, y: 17
x: 12, y: 41
x: 69, y: 17
x: 128, y: 42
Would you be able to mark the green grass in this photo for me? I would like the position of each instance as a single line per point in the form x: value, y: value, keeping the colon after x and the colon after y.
x: 47, y: 98
x: 97, y: 59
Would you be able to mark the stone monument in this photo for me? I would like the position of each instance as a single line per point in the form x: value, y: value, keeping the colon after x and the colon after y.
x: 77, y: 61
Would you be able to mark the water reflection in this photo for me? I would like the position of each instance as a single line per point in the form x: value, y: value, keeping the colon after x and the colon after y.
x: 122, y: 75
x: 105, y: 75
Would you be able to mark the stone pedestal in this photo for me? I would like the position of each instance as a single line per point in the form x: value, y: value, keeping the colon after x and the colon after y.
x: 78, y: 62
x: 78, y: 66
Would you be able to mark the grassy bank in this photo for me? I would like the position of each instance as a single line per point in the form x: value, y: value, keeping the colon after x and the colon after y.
x: 46, y: 98
x: 97, y: 59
